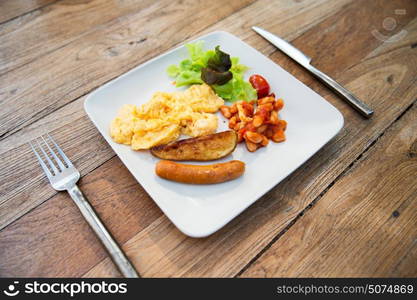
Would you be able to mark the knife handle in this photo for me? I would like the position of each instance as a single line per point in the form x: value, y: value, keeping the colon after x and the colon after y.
x: 357, y: 104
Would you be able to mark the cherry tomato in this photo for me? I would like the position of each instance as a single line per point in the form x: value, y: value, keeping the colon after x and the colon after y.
x: 260, y: 85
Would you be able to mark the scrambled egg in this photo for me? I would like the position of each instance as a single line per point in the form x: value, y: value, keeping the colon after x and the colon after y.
x: 167, y: 115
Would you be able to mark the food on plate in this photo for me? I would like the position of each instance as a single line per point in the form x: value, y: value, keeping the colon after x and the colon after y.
x: 214, y: 76
x: 260, y: 85
x: 207, y: 147
x: 200, y: 174
x: 167, y: 115
x: 257, y: 122
x: 216, y: 68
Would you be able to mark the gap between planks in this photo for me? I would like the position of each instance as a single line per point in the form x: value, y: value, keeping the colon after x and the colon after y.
x: 83, y: 85
x: 236, y: 12
x: 29, y: 11
x: 5, y: 135
x: 12, y: 131
x: 308, y: 207
x: 398, y: 144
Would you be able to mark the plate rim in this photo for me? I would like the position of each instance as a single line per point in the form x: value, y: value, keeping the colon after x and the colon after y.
x: 219, y: 225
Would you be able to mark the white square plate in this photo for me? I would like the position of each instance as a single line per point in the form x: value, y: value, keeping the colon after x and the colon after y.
x: 200, y: 210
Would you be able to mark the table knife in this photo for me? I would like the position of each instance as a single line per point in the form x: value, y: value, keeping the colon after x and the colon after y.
x: 304, y: 61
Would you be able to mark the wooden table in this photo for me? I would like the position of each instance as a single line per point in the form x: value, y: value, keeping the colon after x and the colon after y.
x: 348, y: 211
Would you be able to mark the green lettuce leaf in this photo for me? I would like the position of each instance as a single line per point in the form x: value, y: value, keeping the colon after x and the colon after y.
x: 189, y: 71
x: 188, y: 77
x: 173, y: 70
x: 236, y: 89
x: 195, y: 50
x: 238, y: 68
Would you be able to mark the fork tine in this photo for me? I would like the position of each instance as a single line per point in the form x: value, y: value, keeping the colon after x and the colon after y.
x: 57, y: 159
x: 69, y: 163
x: 50, y: 163
x: 41, y: 162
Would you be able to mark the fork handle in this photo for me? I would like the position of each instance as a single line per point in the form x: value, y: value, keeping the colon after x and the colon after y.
x: 117, y: 255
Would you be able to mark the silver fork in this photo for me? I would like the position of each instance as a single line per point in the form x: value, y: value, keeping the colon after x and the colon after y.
x: 63, y: 176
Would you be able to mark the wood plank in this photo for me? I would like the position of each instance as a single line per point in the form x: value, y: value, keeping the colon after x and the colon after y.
x: 71, y: 128
x: 100, y: 55
x: 37, y: 34
x: 106, y: 52
x: 365, y: 225
x: 297, y: 18
x: 229, y: 250
x: 226, y: 252
x: 55, y: 250
x: 120, y: 34
x: 10, y: 9
x: 21, y: 174
x: 68, y: 140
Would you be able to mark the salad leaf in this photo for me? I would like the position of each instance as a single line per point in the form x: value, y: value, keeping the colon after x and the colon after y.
x: 173, y: 70
x: 195, y: 50
x: 220, y: 62
x: 236, y: 89
x: 222, y: 72
x: 211, y: 76
x: 238, y: 68
x: 188, y: 77
x: 217, y: 70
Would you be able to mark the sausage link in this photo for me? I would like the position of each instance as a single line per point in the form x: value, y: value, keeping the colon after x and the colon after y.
x: 200, y: 174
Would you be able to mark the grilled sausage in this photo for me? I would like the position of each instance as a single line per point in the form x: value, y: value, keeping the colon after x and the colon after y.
x: 200, y: 174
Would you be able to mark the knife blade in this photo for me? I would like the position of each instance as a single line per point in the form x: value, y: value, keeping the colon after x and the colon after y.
x: 304, y: 61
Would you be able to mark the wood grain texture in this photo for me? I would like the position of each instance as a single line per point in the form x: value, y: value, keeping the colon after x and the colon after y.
x: 104, y: 66
x: 100, y: 55
x: 288, y: 13
x: 10, y: 9
x: 56, y: 232
x: 365, y: 225
x: 18, y: 161
x: 229, y: 250
x: 58, y: 25
x: 71, y: 116
x: 380, y: 74
x: 61, y: 119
